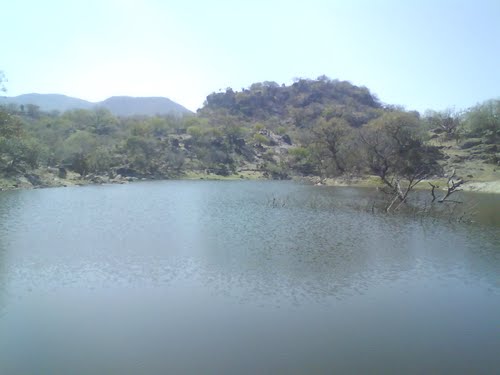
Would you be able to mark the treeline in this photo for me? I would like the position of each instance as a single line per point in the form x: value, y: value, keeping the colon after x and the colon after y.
x: 316, y: 127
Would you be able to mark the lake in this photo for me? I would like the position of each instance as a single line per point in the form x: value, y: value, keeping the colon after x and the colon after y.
x: 213, y: 277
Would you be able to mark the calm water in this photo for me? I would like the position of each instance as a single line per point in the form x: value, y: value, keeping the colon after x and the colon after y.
x: 242, y: 277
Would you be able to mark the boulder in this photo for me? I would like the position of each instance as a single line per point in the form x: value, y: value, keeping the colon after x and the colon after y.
x: 62, y: 172
x: 127, y: 172
x: 286, y: 138
x: 100, y: 179
x: 34, y: 179
x: 471, y: 143
x: 458, y: 159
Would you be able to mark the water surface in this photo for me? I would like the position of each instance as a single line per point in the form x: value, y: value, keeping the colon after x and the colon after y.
x: 243, y: 277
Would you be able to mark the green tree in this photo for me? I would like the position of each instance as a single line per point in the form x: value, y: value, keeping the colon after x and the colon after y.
x: 77, y: 150
x: 396, y: 153
x: 10, y: 125
x: 448, y: 122
x: 18, y: 151
x: 260, y: 139
x: 332, y: 139
x: 32, y: 111
x: 195, y: 131
x: 103, y: 122
x: 99, y: 160
x: 484, y: 120
x: 301, y: 160
x: 18, y: 154
x: 140, y: 152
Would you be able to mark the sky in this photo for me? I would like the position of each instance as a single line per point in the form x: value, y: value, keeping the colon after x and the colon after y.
x: 420, y: 54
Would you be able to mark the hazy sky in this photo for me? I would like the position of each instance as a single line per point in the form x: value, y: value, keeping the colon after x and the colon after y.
x: 417, y: 53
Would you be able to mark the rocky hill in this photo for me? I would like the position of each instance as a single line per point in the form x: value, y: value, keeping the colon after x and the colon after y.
x: 300, y: 103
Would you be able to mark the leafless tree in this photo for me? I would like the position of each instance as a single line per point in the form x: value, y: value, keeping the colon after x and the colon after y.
x: 452, y: 186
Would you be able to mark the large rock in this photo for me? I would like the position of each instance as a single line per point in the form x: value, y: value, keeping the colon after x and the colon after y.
x: 494, y: 140
x: 127, y: 172
x: 62, y: 172
x: 96, y: 179
x: 286, y: 138
x: 458, y: 159
x: 34, y: 179
x: 472, y: 142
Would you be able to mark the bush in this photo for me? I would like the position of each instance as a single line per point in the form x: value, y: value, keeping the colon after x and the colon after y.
x: 260, y: 139
x: 484, y: 120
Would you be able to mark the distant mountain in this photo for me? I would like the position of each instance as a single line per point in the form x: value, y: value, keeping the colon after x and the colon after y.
x: 128, y: 106
x: 48, y: 102
x: 118, y: 105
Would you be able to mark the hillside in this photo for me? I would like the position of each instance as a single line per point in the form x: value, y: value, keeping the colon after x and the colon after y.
x: 117, y: 105
x: 315, y: 129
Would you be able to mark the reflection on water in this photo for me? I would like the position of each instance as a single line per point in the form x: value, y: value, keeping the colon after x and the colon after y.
x: 210, y: 277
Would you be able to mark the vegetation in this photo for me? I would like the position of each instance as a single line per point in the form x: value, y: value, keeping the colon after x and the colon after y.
x: 324, y: 128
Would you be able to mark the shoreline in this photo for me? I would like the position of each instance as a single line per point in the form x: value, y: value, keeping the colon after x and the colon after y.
x: 488, y: 187
x: 22, y: 183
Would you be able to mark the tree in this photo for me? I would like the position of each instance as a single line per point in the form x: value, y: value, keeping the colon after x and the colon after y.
x: 32, y: 111
x: 18, y: 154
x: 77, y: 150
x: 332, y: 142
x: 103, y: 121
x: 140, y: 151
x: 10, y: 125
x: 301, y: 159
x: 448, y: 122
x: 396, y: 153
x: 99, y: 160
x: 484, y: 120
x: 17, y: 150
